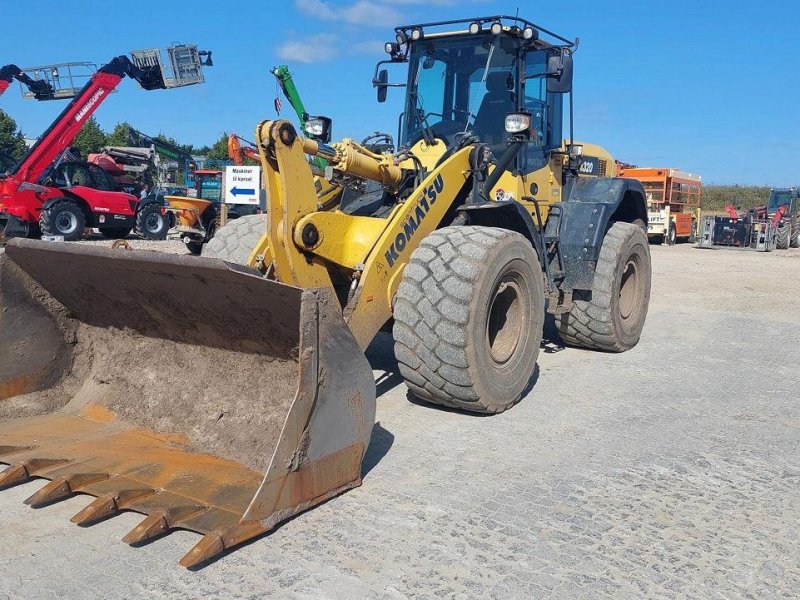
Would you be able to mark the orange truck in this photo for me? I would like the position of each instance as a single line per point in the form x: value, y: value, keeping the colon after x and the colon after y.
x: 673, y: 199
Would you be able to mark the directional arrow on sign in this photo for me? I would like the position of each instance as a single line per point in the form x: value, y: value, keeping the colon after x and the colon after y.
x: 242, y: 191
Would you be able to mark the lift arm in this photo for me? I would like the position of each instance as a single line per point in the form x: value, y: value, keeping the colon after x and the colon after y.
x: 284, y: 78
x: 63, y: 130
x: 286, y: 83
x: 41, y: 90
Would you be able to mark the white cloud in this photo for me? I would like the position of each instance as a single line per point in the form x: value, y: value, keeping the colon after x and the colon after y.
x: 316, y: 48
x: 361, y: 12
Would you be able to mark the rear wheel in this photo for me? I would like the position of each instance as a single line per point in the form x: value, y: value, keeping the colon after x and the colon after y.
x: 151, y: 222
x: 672, y: 234
x: 236, y: 241
x: 468, y: 318
x: 65, y: 218
x: 782, y: 237
x: 795, y: 241
x: 115, y: 233
x: 613, y: 318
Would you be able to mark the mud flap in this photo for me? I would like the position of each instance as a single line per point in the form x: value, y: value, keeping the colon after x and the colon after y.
x: 195, y: 391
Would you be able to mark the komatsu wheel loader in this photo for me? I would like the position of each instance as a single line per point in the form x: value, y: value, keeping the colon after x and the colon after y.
x: 224, y: 398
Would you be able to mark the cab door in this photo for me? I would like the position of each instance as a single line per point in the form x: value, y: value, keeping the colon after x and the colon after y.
x: 95, y: 186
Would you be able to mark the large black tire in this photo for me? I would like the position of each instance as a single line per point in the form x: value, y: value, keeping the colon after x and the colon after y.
x: 612, y: 320
x: 151, y: 222
x: 63, y: 217
x: 672, y: 234
x: 115, y: 233
x: 782, y: 237
x: 468, y: 318
x: 236, y: 240
x: 794, y: 242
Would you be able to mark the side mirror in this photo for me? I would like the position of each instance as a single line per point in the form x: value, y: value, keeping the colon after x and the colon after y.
x: 319, y: 128
x: 382, y: 84
x: 559, y: 73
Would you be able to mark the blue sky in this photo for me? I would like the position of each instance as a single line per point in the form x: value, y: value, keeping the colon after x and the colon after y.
x: 710, y: 86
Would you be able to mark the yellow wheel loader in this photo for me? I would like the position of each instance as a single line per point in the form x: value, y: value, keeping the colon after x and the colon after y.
x: 225, y: 393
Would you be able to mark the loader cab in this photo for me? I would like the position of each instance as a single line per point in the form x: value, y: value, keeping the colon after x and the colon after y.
x: 470, y: 81
x: 784, y: 197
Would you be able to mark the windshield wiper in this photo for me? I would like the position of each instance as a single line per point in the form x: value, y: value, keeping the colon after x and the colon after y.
x: 422, y: 119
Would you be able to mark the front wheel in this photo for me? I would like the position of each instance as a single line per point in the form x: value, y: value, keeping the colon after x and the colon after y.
x: 782, y: 237
x: 468, y: 318
x: 151, y: 222
x: 613, y: 317
x: 64, y: 218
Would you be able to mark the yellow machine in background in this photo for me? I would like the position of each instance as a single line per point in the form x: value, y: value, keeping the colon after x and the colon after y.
x: 458, y: 241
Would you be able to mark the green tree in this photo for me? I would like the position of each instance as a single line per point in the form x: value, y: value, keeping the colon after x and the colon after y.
x: 119, y: 135
x: 90, y: 138
x: 12, y: 142
x: 219, y: 149
x: 713, y: 198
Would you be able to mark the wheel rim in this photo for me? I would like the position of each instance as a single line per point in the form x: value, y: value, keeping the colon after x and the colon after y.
x: 153, y: 223
x: 66, y: 222
x: 505, y: 320
x: 630, y: 288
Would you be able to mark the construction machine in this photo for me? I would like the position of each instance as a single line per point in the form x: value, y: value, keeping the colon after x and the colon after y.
x: 764, y: 228
x: 44, y: 193
x: 479, y: 223
x: 673, y: 201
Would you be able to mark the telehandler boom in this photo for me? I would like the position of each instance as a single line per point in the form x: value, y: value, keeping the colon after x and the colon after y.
x: 40, y: 89
x: 456, y: 241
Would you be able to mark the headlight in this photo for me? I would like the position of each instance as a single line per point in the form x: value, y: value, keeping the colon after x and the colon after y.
x: 315, y: 127
x: 529, y: 33
x: 416, y: 34
x: 517, y: 122
x: 497, y: 28
x: 474, y: 27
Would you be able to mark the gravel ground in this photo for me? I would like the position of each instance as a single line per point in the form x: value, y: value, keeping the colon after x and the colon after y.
x: 670, y: 471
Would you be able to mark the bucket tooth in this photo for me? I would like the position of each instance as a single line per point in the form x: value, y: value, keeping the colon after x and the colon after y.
x: 207, y: 548
x: 13, y: 475
x: 151, y: 527
x: 24, y: 471
x: 63, y: 487
x: 215, y: 543
x: 109, y: 505
x: 158, y: 523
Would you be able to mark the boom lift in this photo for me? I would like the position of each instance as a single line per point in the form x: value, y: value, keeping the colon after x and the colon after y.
x: 40, y: 89
x: 62, y: 198
x: 478, y: 218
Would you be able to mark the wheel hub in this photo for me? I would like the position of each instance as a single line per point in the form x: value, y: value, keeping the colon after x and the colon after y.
x: 505, y: 321
x: 66, y: 222
x: 630, y: 288
x: 153, y: 223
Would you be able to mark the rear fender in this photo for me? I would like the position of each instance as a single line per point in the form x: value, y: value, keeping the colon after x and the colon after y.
x: 580, y: 223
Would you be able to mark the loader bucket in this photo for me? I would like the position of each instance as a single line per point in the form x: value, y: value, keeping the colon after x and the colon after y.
x: 188, y: 389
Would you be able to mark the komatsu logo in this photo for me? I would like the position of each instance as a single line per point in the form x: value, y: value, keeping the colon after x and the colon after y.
x: 88, y: 106
x: 427, y: 199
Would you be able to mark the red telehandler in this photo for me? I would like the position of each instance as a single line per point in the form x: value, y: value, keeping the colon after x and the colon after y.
x: 45, y: 193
